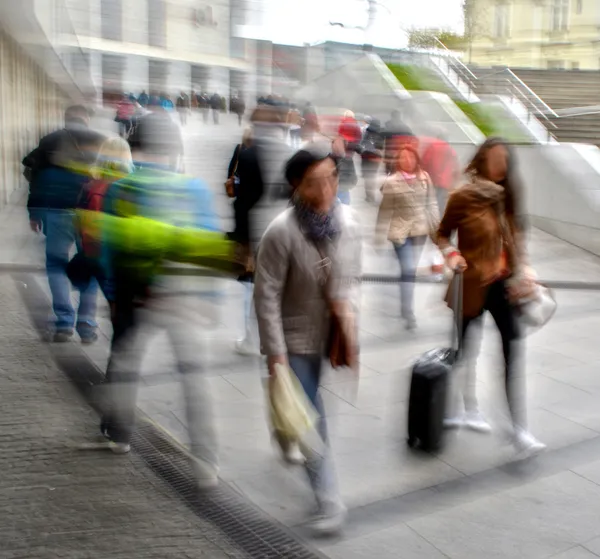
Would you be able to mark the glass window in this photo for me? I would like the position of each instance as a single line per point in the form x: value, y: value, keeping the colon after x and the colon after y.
x: 112, y: 19
x: 502, y: 21
x: 560, y: 15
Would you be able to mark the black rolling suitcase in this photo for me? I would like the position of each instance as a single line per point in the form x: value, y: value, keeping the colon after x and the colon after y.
x: 429, y: 386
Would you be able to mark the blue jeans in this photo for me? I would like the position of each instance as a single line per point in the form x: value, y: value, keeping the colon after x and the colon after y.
x: 319, y: 467
x: 408, y: 254
x: 60, y: 239
x: 344, y: 197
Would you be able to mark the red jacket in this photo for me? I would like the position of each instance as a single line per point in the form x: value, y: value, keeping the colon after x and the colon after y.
x: 441, y: 163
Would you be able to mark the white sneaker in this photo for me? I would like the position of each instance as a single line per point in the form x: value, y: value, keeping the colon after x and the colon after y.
x: 244, y: 346
x: 329, y: 521
x: 526, y: 444
x: 293, y: 455
x: 476, y: 422
x: 454, y: 422
x: 116, y: 448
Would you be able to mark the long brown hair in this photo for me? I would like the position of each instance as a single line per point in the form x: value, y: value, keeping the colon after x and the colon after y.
x: 510, y: 183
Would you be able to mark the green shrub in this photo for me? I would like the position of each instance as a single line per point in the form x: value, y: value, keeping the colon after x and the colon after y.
x: 490, y: 120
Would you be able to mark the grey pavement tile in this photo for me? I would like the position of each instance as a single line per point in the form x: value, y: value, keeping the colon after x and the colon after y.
x: 585, y: 377
x: 283, y: 493
x: 544, y: 391
x: 392, y: 543
x: 160, y: 398
x: 581, y: 349
x: 581, y: 408
x: 556, y: 431
x: 388, y: 471
x: 577, y: 552
x: 367, y: 430
x: 373, y: 391
x: 250, y: 384
x: 593, y: 546
x: 589, y: 471
x: 541, y: 360
x: 534, y: 521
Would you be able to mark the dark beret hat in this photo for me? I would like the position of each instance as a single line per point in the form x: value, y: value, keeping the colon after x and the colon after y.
x: 302, y: 160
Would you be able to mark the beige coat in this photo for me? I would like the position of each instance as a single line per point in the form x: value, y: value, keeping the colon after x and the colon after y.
x: 290, y: 304
x: 408, y: 208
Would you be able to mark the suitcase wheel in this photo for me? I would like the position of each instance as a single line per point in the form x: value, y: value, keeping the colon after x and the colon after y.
x: 412, y: 442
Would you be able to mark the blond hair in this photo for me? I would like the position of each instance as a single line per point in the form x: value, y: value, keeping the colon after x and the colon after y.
x: 114, y: 156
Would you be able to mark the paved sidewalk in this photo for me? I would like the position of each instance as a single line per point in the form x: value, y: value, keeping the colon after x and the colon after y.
x: 472, y: 500
x: 58, y: 501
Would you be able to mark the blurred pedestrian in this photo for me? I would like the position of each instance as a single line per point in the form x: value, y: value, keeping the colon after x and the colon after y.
x: 60, y: 167
x: 316, y: 237
x: 183, y: 107
x: 350, y: 137
x: 215, y: 105
x: 170, y: 136
x: 408, y: 214
x: 487, y: 214
x: 153, y: 215
x: 263, y: 193
x: 143, y: 98
x: 441, y: 162
x: 113, y: 163
x: 371, y: 158
x: 125, y: 111
x: 238, y: 107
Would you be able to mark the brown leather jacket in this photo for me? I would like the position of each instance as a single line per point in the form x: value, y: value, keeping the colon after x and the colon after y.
x: 476, y: 212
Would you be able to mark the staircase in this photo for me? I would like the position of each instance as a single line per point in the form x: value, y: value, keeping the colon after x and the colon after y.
x: 559, y: 89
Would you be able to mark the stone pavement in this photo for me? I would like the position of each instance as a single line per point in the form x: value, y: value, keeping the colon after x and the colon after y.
x: 59, y: 501
x: 470, y: 501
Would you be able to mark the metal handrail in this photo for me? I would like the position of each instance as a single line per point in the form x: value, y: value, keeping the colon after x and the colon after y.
x: 461, y: 64
x: 536, y: 109
x: 531, y: 92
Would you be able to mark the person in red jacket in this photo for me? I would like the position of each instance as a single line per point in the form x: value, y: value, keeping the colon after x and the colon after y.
x: 441, y: 163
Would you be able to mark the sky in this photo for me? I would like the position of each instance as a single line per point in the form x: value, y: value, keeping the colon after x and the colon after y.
x: 307, y: 21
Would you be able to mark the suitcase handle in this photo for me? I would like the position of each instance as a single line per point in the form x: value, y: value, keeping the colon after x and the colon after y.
x: 457, y: 304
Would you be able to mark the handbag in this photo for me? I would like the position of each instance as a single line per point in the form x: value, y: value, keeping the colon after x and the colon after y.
x: 339, y: 348
x: 232, y: 181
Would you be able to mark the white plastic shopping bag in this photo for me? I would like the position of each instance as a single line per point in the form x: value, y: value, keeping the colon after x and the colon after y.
x: 293, y: 416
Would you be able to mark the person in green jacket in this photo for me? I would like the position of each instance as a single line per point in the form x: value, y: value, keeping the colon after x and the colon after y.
x: 151, y: 217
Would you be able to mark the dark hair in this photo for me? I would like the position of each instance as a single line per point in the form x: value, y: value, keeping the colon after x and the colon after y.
x: 299, y: 164
x: 510, y: 183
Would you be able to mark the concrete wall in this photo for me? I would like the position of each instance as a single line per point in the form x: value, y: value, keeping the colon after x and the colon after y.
x: 31, y: 106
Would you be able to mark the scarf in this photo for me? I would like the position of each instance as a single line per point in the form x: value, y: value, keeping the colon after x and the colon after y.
x: 316, y: 226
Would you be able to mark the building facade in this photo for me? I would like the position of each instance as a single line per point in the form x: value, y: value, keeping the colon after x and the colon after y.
x: 556, y: 34
x: 163, y: 46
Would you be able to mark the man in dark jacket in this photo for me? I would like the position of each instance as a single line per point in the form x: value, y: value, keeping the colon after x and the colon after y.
x: 215, y: 105
x: 58, y: 169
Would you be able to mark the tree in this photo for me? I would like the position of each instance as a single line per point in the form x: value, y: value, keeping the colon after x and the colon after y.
x: 428, y: 39
x: 474, y: 16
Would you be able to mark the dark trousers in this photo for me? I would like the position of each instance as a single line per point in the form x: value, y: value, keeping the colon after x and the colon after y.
x: 503, y: 313
x: 123, y: 365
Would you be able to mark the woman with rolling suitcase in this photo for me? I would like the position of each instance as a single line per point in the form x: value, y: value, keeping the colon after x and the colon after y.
x: 486, y: 214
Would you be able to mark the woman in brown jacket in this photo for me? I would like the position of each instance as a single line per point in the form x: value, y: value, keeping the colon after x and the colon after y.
x: 408, y: 214
x: 486, y: 215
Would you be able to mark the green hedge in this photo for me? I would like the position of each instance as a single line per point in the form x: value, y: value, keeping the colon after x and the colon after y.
x: 490, y: 120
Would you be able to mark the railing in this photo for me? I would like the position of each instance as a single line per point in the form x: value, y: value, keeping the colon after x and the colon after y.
x: 459, y: 67
x: 538, y: 113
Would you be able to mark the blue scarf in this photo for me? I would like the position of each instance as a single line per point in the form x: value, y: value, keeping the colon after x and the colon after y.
x: 317, y: 227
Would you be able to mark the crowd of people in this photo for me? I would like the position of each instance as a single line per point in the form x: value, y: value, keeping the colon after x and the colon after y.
x: 130, y: 109
x: 297, y: 248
